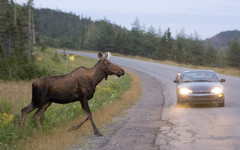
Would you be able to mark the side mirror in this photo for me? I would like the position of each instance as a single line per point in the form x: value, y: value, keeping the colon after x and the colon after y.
x: 222, y: 80
x: 176, y: 81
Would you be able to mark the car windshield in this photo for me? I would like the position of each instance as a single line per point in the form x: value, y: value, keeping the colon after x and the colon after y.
x: 199, y: 76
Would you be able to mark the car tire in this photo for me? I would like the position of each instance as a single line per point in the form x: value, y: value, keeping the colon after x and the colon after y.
x: 221, y: 104
x: 178, y: 103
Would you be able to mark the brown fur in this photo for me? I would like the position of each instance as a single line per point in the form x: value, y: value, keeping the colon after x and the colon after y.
x: 77, y: 86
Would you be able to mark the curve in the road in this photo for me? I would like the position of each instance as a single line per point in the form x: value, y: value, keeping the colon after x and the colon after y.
x: 190, y: 128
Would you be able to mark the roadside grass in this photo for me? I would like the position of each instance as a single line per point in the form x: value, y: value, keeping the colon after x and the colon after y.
x: 56, y: 62
x: 16, y: 95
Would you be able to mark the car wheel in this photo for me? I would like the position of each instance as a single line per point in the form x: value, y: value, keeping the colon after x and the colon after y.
x: 178, y: 102
x: 221, y: 104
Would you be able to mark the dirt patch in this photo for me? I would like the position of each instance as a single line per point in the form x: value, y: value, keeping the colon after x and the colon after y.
x: 137, y: 129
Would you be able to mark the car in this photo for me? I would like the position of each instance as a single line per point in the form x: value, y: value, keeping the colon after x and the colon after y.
x: 199, y: 87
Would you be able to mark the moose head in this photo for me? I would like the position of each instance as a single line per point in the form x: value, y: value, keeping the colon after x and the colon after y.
x: 108, y: 67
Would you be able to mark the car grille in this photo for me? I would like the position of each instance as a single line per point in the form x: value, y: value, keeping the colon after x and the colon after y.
x: 202, y: 97
x: 201, y: 92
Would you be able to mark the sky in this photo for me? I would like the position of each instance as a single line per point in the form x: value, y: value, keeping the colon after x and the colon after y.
x: 202, y: 18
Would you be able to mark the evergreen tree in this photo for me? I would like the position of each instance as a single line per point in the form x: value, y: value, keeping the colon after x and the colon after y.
x: 210, y: 56
x: 165, y: 49
x: 234, y: 53
x: 121, y: 42
x: 106, y: 36
x: 14, y: 42
x: 31, y: 29
x: 180, y: 51
x: 135, y: 39
x: 150, y: 42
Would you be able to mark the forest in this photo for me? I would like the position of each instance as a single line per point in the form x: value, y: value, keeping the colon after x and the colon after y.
x: 23, y: 28
x: 17, y: 42
x: 59, y: 29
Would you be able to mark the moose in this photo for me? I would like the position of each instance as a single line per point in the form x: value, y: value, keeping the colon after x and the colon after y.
x: 79, y: 85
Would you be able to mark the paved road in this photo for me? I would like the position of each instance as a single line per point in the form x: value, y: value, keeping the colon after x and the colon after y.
x: 191, y: 127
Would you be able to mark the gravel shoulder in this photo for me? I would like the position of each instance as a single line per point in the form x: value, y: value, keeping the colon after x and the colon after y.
x: 138, y: 128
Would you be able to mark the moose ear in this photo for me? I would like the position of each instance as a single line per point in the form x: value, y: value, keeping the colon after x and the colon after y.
x: 100, y: 55
x: 107, y: 55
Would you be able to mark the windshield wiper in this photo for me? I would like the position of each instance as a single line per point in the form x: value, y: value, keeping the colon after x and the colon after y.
x: 203, y: 81
x: 187, y: 81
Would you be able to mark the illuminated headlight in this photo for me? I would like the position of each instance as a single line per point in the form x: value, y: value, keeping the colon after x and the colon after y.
x: 217, y: 90
x: 184, y: 91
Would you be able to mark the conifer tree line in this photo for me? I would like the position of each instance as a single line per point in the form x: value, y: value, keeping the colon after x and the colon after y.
x: 59, y: 29
x: 23, y: 27
x: 17, y: 40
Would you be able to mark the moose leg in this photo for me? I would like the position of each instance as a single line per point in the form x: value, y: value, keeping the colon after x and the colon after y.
x: 79, y: 125
x: 87, y: 110
x: 25, y: 111
x: 40, y: 112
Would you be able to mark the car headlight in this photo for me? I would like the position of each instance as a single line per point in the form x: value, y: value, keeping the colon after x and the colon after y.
x: 217, y: 90
x: 184, y: 91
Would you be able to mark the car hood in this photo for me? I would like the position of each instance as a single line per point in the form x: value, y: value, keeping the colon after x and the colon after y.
x: 200, y: 86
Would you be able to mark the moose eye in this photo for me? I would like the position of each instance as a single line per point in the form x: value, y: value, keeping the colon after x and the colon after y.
x: 106, y: 62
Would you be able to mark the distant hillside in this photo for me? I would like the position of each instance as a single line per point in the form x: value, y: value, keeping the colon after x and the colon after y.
x: 60, y: 29
x: 222, y: 39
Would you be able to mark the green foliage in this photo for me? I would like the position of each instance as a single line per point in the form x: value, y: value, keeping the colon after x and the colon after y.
x: 20, y: 69
x: 56, y: 57
x: 210, y: 57
x: 7, y: 131
x: 59, y: 114
x: 5, y: 106
x: 234, y: 54
x: 16, y: 43
x: 106, y: 36
x: 30, y: 71
x: 110, y: 92
x: 43, y: 48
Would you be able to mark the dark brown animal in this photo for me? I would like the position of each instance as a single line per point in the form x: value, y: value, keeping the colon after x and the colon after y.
x: 77, y: 86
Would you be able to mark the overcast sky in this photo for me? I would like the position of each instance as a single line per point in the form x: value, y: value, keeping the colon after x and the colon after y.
x: 204, y: 17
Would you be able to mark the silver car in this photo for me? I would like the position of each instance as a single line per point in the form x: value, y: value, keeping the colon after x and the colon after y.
x: 199, y: 87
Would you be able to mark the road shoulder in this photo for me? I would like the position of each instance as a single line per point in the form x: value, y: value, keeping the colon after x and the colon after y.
x: 138, y: 128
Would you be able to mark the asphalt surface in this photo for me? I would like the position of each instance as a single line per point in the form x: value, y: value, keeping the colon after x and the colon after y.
x: 137, y: 129
x: 187, y: 128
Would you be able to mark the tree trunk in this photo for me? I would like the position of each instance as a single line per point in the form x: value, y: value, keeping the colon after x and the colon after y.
x: 29, y: 30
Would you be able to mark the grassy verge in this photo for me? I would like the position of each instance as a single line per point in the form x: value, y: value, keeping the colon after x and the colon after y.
x: 16, y: 95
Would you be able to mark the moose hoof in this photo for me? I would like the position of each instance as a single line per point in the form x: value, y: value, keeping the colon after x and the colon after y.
x: 98, y: 133
x: 72, y: 128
